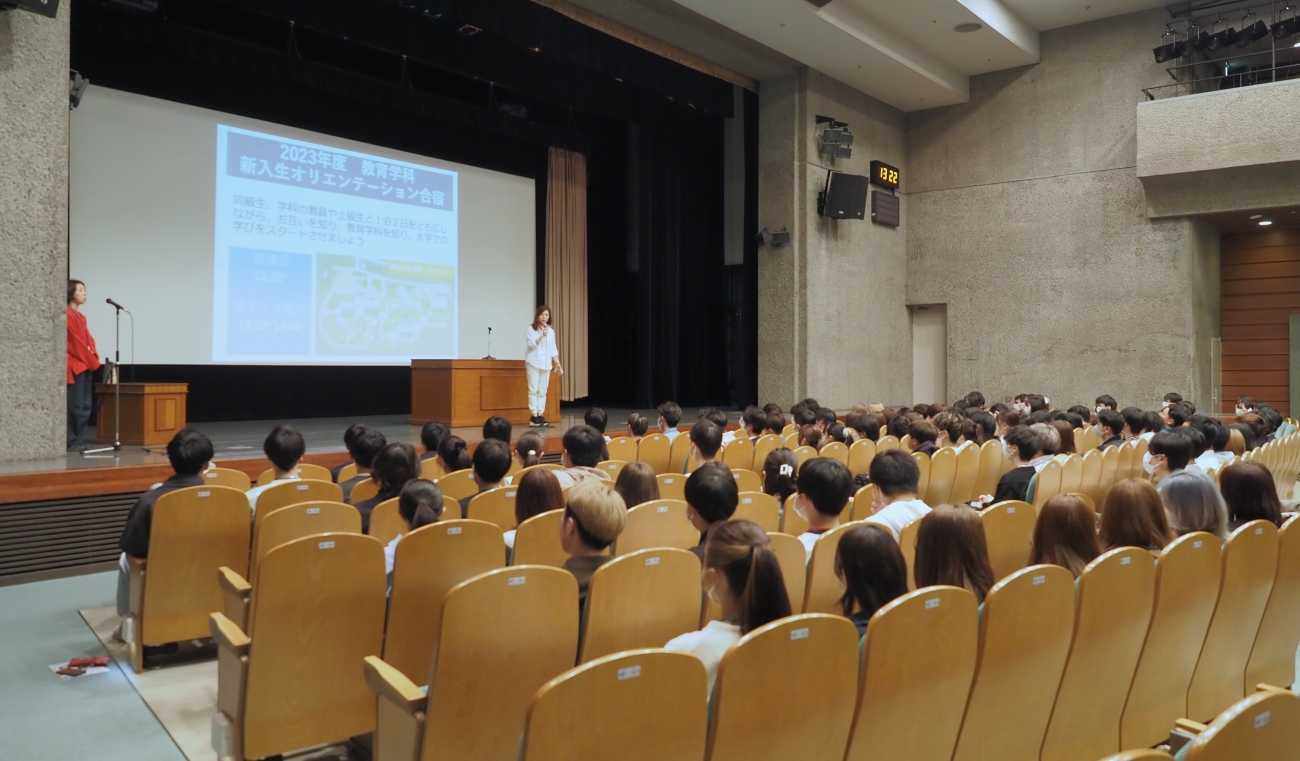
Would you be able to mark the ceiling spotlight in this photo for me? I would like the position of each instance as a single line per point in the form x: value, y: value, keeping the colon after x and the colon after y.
x: 535, y: 49
x: 1256, y: 216
x: 835, y: 138
x: 967, y: 28
x: 469, y: 30
x: 1265, y: 223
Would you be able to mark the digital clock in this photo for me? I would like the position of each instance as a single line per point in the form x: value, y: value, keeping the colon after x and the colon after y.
x: 884, y: 175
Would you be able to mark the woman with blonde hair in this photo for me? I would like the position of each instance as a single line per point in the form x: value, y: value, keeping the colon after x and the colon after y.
x: 951, y: 549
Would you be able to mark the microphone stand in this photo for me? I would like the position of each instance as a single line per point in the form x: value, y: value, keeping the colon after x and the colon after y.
x: 117, y: 387
x: 489, y: 356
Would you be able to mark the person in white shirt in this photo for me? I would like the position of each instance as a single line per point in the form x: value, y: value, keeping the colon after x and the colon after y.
x: 1216, y: 435
x: 894, y: 502
x: 419, y: 504
x: 670, y: 414
x: 737, y: 554
x: 825, y: 486
x: 541, y: 358
x: 1049, y: 443
x: 284, y: 447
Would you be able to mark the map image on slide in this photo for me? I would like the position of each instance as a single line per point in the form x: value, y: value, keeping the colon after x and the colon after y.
x: 378, y: 307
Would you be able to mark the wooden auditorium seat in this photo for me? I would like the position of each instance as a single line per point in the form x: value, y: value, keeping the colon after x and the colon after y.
x: 791, y: 440
x: 346, y: 473
x: 458, y: 485
x: 943, y: 472
x: 886, y: 442
x: 808, y: 661
x: 612, y: 468
x: 1008, y: 527
x: 1116, y: 594
x: 862, y: 503
x: 792, y: 522
x: 495, y: 506
x: 1187, y: 582
x: 643, y: 705
x: 679, y: 453
x: 502, y: 636
x: 1091, y: 482
x: 762, y: 448
x: 641, y: 599
x: 525, y: 471
x: 738, y: 454
x: 306, y: 471
x: 235, y: 479
x: 301, y: 685
x: 194, y: 532
x: 622, y: 448
x: 861, y: 454
x: 431, y: 470
x: 822, y: 590
x: 1046, y: 484
x: 386, y: 522
x: 428, y: 563
x: 655, y: 450
x: 792, y: 558
x: 907, y: 543
x: 760, y: 508
x: 363, y: 491
x: 1262, y: 727
x: 1109, y: 472
x: 1025, y: 633
x: 537, y: 541
x: 991, y: 459
x: 968, y: 470
x: 662, y: 523
x: 672, y: 485
x: 1072, y: 475
x: 922, y: 462
x: 295, y: 492
x: 835, y: 450
x: 918, y: 660
x: 1272, y: 659
x: 804, y: 454
x: 747, y: 480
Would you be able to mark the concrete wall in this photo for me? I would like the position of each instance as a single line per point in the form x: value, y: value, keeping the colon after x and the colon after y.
x: 1027, y: 218
x: 33, y: 233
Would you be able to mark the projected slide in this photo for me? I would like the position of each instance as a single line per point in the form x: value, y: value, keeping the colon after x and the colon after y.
x: 328, y: 256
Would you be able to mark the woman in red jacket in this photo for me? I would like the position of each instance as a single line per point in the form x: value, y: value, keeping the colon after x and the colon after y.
x: 83, y: 361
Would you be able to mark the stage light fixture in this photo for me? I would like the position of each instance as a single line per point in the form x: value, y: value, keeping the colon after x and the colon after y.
x: 761, y: 238
x: 835, y: 138
x: 77, y: 85
x: 1265, y: 223
x: 781, y: 237
x: 469, y: 30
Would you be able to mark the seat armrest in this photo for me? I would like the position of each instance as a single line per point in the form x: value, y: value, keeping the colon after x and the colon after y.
x: 232, y: 582
x: 388, y: 682
x: 1190, y: 727
x: 135, y: 573
x: 1262, y: 687
x: 228, y: 634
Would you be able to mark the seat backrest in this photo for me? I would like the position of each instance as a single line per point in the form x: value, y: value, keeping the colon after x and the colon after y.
x: 918, y: 659
x: 293, y: 492
x: 886, y: 442
x: 1140, y: 447
x: 431, y: 470
x: 386, y: 522
x: 762, y: 448
x: 1025, y: 633
x: 314, y: 472
x: 427, y: 563
x: 907, y: 543
x: 1124, y: 463
x: 642, y: 599
x: 760, y: 508
x: 1109, y: 471
x: 905, y: 442
x: 862, y: 503
x: 1049, y: 484
x: 495, y: 506
x: 793, y: 559
x: 835, y: 450
x: 235, y: 479
x: 317, y: 611
x: 363, y: 491
x: 679, y: 452
x: 622, y: 448
x: 537, y: 541
x: 791, y: 439
x: 822, y: 590
x: 1008, y: 527
x: 1090, y: 482
x: 612, y: 467
x: 968, y: 470
x: 991, y: 459
x: 809, y: 660
x: 346, y: 473
x: 1262, y: 727
x: 672, y: 485
x: 738, y: 453
x: 458, y: 485
x: 861, y: 454
x: 1113, y: 605
x: 1249, y: 568
x: 1187, y: 581
x: 194, y: 532
x: 296, y: 521
x: 654, y: 450
x: 747, y: 480
x: 922, y: 462
x: 645, y: 705
x: 943, y: 472
x: 662, y: 523
x: 1072, y: 475
x: 792, y: 522
x: 504, y: 635
x: 804, y: 454
x: 1272, y: 659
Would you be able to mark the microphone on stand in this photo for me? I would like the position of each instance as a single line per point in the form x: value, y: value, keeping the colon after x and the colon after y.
x: 489, y: 354
x: 114, y: 303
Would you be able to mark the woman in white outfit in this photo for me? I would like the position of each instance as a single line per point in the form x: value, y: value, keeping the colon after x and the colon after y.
x: 541, y: 358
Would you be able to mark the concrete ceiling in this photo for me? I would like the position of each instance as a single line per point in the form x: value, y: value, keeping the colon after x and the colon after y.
x: 1051, y: 14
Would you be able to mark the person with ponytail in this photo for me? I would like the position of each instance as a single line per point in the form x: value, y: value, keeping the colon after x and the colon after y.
x: 743, y: 578
x: 453, y: 455
x: 419, y: 504
x: 778, y: 474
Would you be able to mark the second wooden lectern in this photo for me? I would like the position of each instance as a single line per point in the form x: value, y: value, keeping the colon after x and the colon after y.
x: 465, y: 392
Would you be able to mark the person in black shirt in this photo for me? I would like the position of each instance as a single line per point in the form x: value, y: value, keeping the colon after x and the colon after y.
x: 1113, y: 426
x: 364, y: 446
x: 1021, y: 447
x: 492, y: 460
x: 393, y: 467
x: 871, y: 567
x: 431, y: 436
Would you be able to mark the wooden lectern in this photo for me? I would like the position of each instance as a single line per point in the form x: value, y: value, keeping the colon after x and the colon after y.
x: 465, y: 392
x: 151, y: 412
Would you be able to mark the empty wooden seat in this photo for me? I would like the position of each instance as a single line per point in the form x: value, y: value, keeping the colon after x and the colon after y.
x: 194, y: 531
x: 1109, y: 472
x: 644, y: 705
x: 1008, y: 527
x: 306, y: 471
x: 502, y: 636
x: 943, y: 471
x: 836, y: 451
x: 1091, y: 482
x: 346, y: 473
x: 1262, y: 727
x: 235, y: 479
x: 793, y: 559
x: 1272, y: 659
x: 822, y: 590
x: 1113, y: 604
x: 1047, y: 484
x: 386, y: 522
x: 861, y: 454
x: 1187, y: 579
x: 991, y: 459
x: 495, y: 506
x: 363, y: 491
x: 672, y: 485
x: 968, y: 470
x: 537, y: 541
x: 458, y: 485
x: 738, y: 454
x: 760, y: 508
x: 641, y: 599
x: 762, y: 448
x: 747, y: 480
x: 922, y: 462
x: 918, y: 659
x: 1124, y: 462
x: 612, y: 467
x: 655, y: 450
x: 662, y: 523
x: 679, y: 453
x: 294, y: 492
x: 1249, y: 567
x: 798, y: 661
x: 1025, y: 631
x: 622, y: 448
x: 1072, y: 475
x: 317, y: 611
x: 428, y: 563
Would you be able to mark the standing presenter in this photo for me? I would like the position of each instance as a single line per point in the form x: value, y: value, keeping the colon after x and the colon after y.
x: 541, y: 358
x: 83, y: 361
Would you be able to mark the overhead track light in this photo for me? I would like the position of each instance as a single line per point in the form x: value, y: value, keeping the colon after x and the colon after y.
x: 836, y: 140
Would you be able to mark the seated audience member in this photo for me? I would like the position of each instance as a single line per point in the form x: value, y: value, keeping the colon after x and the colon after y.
x: 491, y: 463
x: 1197, y: 440
x: 838, y: 432
x: 975, y: 399
x: 637, y: 484
x: 870, y: 566
x: 1038, y: 403
x: 923, y: 437
x: 1112, y: 427
x: 1134, y: 516
x: 637, y: 425
x: 596, y: 418
x: 189, y: 452
x: 950, y: 426
x: 825, y: 486
x: 497, y: 427
x: 898, y: 426
x: 1216, y: 435
x: 1065, y: 534
x: 1154, y: 425
x: 706, y: 441
x: 1244, y: 405
x: 1174, y: 415
x: 752, y: 422
x: 593, y: 518
x: 365, y: 445
x: 284, y: 447
x: 1040, y: 417
x: 670, y: 414
x: 1193, y: 503
x: 453, y: 455
x: 775, y: 423
x: 778, y: 474
x: 1085, y: 415
x: 528, y: 449
x: 867, y: 425
x: 583, y: 448
x: 895, y: 503
x: 419, y: 503
x: 951, y: 550
x: 1049, y: 441
x: 539, y: 492
x: 802, y: 416
x: 1135, y: 422
x: 743, y: 578
x: 771, y: 407
x: 1249, y: 441
x: 933, y: 411
x: 431, y: 435
x: 1272, y: 421
x: 1006, y: 420
x: 393, y: 467
x: 1065, y: 434
x: 1020, y: 446
x: 349, y: 436
x: 811, y: 436
x: 1250, y: 494
x: 826, y: 417
x: 1170, y: 399
x: 1168, y: 453
x: 711, y: 498
x: 1075, y: 420
x: 988, y: 426
x: 1106, y: 402
x: 718, y: 418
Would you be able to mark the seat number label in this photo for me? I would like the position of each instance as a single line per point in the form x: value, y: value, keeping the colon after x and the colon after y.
x: 325, y: 546
x: 652, y: 561
x: 796, y: 634
x: 1039, y: 580
x: 932, y: 603
x: 313, y: 510
x: 515, y: 581
x: 1261, y: 720
x: 631, y: 672
x: 454, y: 530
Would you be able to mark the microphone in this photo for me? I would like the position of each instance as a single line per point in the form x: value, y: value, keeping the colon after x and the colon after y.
x: 119, y: 306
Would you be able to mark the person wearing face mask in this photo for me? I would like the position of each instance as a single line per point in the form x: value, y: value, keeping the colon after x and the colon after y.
x: 1106, y: 402
x: 1169, y: 453
x: 1110, y: 427
x: 743, y: 578
x: 1170, y: 399
x: 1021, y: 447
x: 825, y: 486
x: 1245, y: 405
